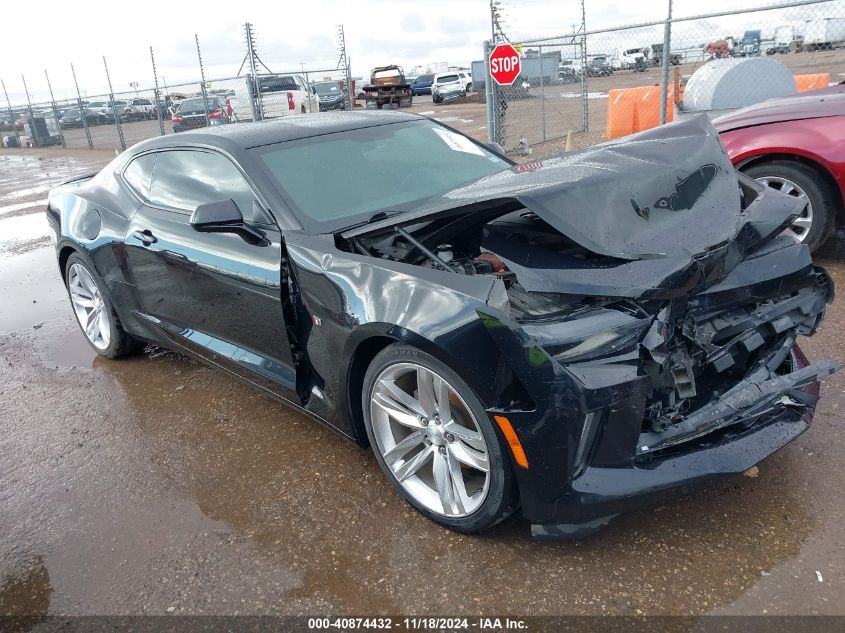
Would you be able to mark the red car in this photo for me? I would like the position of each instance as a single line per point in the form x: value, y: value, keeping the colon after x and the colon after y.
x: 795, y: 144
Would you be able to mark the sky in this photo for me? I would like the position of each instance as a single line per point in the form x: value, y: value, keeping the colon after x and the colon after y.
x: 290, y: 35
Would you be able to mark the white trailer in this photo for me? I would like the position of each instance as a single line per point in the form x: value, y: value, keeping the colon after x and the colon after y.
x: 824, y: 33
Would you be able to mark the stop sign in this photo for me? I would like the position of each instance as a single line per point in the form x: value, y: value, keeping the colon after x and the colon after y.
x: 505, y: 64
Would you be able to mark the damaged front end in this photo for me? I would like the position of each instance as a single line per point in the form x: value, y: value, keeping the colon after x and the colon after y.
x: 648, y: 302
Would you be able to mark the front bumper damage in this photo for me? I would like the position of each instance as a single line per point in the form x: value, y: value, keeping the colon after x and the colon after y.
x: 708, y: 390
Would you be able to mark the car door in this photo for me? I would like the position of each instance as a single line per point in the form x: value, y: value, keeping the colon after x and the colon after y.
x: 215, y: 294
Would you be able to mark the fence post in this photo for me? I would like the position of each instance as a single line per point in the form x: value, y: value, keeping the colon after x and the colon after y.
x: 543, y: 92
x: 113, y: 111
x: 307, y: 91
x: 55, y: 110
x: 155, y: 93
x: 29, y: 108
x: 664, y: 83
x: 585, y: 101
x: 81, y: 109
x: 488, y: 95
x: 350, y: 105
x: 202, y: 85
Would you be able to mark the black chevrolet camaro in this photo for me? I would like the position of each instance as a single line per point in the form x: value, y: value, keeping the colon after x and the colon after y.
x: 567, y: 338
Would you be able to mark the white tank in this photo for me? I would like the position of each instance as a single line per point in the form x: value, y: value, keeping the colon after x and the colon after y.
x: 736, y: 83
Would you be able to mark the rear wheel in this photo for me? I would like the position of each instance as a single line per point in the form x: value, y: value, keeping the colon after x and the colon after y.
x: 815, y: 224
x: 434, y: 441
x: 94, y: 311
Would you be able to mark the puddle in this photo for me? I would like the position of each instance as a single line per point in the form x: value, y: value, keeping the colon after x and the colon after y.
x: 25, y: 589
x: 32, y: 289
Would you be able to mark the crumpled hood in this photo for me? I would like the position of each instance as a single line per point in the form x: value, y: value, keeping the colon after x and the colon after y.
x: 666, y: 191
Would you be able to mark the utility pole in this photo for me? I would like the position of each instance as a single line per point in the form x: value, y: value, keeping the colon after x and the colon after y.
x: 343, y: 60
x: 156, y: 94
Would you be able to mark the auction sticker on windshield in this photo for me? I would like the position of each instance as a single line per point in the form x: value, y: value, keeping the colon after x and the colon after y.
x: 458, y: 143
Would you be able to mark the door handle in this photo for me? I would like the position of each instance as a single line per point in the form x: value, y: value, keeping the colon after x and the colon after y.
x: 146, y: 237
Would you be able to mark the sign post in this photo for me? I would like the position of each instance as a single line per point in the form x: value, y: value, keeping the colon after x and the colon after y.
x: 505, y: 64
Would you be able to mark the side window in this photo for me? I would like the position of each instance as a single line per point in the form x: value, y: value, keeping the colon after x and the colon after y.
x: 138, y: 174
x: 185, y: 179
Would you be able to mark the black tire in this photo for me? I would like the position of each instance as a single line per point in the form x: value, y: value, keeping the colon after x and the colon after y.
x: 818, y: 192
x: 502, y: 495
x: 121, y: 343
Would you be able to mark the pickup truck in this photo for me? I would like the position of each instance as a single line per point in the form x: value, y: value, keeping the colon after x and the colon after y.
x: 280, y: 95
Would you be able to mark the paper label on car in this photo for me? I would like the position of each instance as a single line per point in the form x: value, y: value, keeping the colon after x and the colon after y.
x: 458, y: 143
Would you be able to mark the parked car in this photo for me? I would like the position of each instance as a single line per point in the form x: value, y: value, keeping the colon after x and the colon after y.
x: 497, y: 347
x: 447, y: 86
x: 422, y: 85
x: 331, y: 95
x: 72, y: 118
x: 569, y: 71
x: 146, y: 107
x: 191, y: 113
x: 796, y: 145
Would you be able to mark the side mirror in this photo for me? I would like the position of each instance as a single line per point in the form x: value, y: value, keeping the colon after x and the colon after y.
x: 224, y: 217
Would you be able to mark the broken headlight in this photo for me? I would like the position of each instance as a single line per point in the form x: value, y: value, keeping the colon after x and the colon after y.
x: 593, y: 334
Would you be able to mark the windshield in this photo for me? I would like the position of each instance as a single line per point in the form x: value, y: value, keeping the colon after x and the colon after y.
x: 389, y: 168
x: 424, y: 78
x: 326, y: 88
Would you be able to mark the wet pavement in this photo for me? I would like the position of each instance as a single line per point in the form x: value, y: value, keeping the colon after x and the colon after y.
x: 156, y: 485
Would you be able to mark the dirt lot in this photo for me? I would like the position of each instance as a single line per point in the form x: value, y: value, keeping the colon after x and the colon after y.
x: 156, y: 485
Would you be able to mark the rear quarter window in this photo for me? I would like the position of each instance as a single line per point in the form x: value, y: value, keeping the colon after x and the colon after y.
x: 139, y: 174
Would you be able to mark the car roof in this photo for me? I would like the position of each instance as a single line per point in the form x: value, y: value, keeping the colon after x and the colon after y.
x: 268, y: 132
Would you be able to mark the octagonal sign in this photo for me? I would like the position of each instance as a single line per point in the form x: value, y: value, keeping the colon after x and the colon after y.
x: 505, y: 64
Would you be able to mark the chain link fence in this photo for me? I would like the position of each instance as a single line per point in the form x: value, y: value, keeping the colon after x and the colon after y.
x: 116, y: 120
x: 593, y: 85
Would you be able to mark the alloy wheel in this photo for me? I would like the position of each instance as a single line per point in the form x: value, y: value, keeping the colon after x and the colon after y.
x: 800, y: 227
x: 430, y: 440
x: 89, y: 306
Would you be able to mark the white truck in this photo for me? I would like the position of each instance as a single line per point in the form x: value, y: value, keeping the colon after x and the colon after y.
x: 278, y: 95
x: 626, y: 58
x: 824, y: 33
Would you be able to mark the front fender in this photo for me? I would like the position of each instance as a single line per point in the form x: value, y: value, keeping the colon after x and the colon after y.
x: 351, y: 298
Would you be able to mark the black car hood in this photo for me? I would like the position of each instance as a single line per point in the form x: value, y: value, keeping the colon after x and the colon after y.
x: 662, y: 209
x: 668, y: 191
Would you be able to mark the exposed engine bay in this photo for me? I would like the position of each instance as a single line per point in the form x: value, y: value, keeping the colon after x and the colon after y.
x: 716, y: 343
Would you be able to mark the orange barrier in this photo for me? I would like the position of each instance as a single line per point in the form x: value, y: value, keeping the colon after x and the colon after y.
x: 803, y: 83
x: 632, y: 110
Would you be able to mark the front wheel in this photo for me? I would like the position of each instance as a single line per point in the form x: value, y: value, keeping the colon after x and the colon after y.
x: 435, y: 442
x: 815, y: 224
x: 94, y: 311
